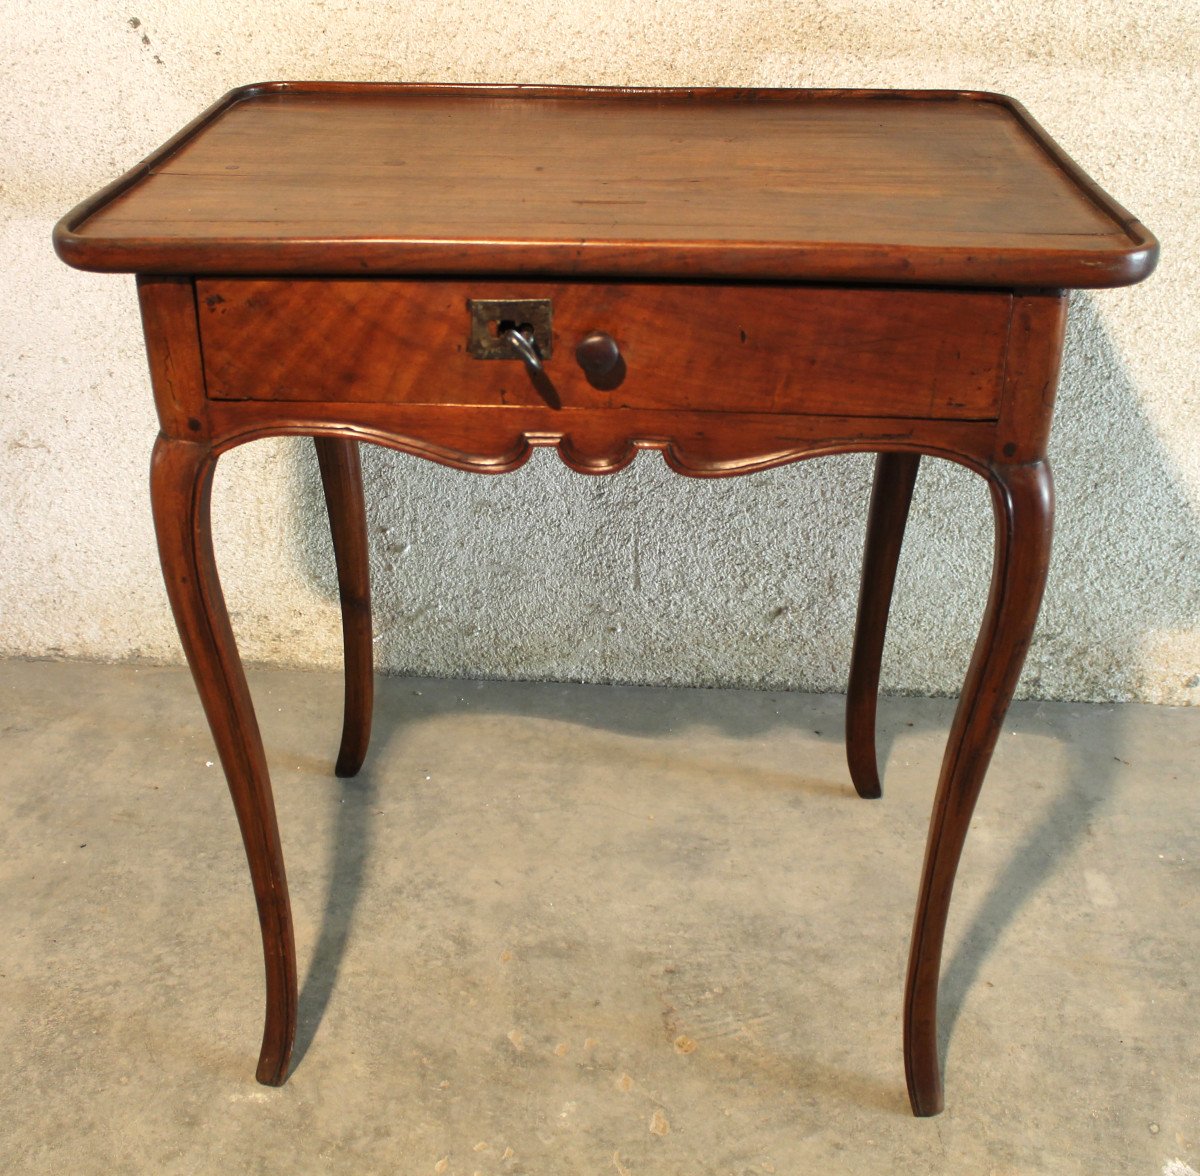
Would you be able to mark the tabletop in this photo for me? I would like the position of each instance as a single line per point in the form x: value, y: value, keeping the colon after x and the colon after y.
x: 903, y: 187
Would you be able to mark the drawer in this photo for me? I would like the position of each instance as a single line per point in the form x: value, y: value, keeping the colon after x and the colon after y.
x: 718, y: 348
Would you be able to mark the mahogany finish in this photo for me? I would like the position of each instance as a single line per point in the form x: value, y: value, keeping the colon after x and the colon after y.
x: 913, y: 187
x: 738, y: 279
x: 895, y: 477
x: 181, y: 476
x: 341, y: 479
x: 764, y: 348
x: 1023, y: 506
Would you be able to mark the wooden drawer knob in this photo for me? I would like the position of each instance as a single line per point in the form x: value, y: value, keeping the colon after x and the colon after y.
x: 600, y: 358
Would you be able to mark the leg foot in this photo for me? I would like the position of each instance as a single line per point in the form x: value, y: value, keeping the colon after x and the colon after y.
x: 1023, y: 504
x: 180, y: 490
x: 895, y: 476
x: 341, y: 477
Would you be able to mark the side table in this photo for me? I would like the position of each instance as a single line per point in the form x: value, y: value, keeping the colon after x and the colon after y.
x: 737, y: 278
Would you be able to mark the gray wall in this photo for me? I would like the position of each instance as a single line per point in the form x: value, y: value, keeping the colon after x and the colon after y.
x: 643, y: 576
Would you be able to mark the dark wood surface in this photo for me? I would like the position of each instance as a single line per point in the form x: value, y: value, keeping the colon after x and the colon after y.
x: 299, y: 187
x: 341, y: 480
x: 1023, y: 509
x: 872, y: 186
x: 748, y: 348
x: 891, y: 496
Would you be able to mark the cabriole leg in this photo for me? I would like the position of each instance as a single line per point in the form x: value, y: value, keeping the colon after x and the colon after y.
x: 341, y: 477
x: 180, y: 490
x: 1023, y: 505
x: 891, y: 494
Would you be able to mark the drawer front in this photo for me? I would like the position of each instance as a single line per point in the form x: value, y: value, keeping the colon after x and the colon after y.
x: 772, y: 349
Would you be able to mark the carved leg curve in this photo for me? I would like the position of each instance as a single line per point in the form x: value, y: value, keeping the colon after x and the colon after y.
x: 891, y: 494
x: 1023, y: 505
x: 181, y: 476
x: 341, y: 477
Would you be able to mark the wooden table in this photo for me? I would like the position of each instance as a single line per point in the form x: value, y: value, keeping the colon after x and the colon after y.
x: 736, y: 278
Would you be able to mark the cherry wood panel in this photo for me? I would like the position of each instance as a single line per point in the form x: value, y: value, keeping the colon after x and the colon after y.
x: 853, y: 352
x: 914, y: 188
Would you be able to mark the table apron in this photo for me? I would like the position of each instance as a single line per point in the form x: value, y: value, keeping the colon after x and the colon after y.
x: 599, y: 441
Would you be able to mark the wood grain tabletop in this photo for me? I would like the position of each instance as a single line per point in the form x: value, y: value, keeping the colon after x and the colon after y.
x: 871, y: 186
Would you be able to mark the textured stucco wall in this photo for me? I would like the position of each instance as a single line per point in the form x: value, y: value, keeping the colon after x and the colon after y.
x: 643, y: 576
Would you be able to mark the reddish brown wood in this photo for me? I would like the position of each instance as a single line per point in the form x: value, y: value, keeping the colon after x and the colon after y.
x: 180, y: 493
x: 168, y: 306
x: 594, y: 441
x: 352, y: 207
x: 1023, y: 505
x: 895, y: 476
x: 1031, y: 371
x: 341, y: 478
x: 779, y: 349
x: 915, y: 188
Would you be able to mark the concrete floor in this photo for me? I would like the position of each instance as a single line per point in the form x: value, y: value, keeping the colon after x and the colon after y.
x: 562, y: 929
